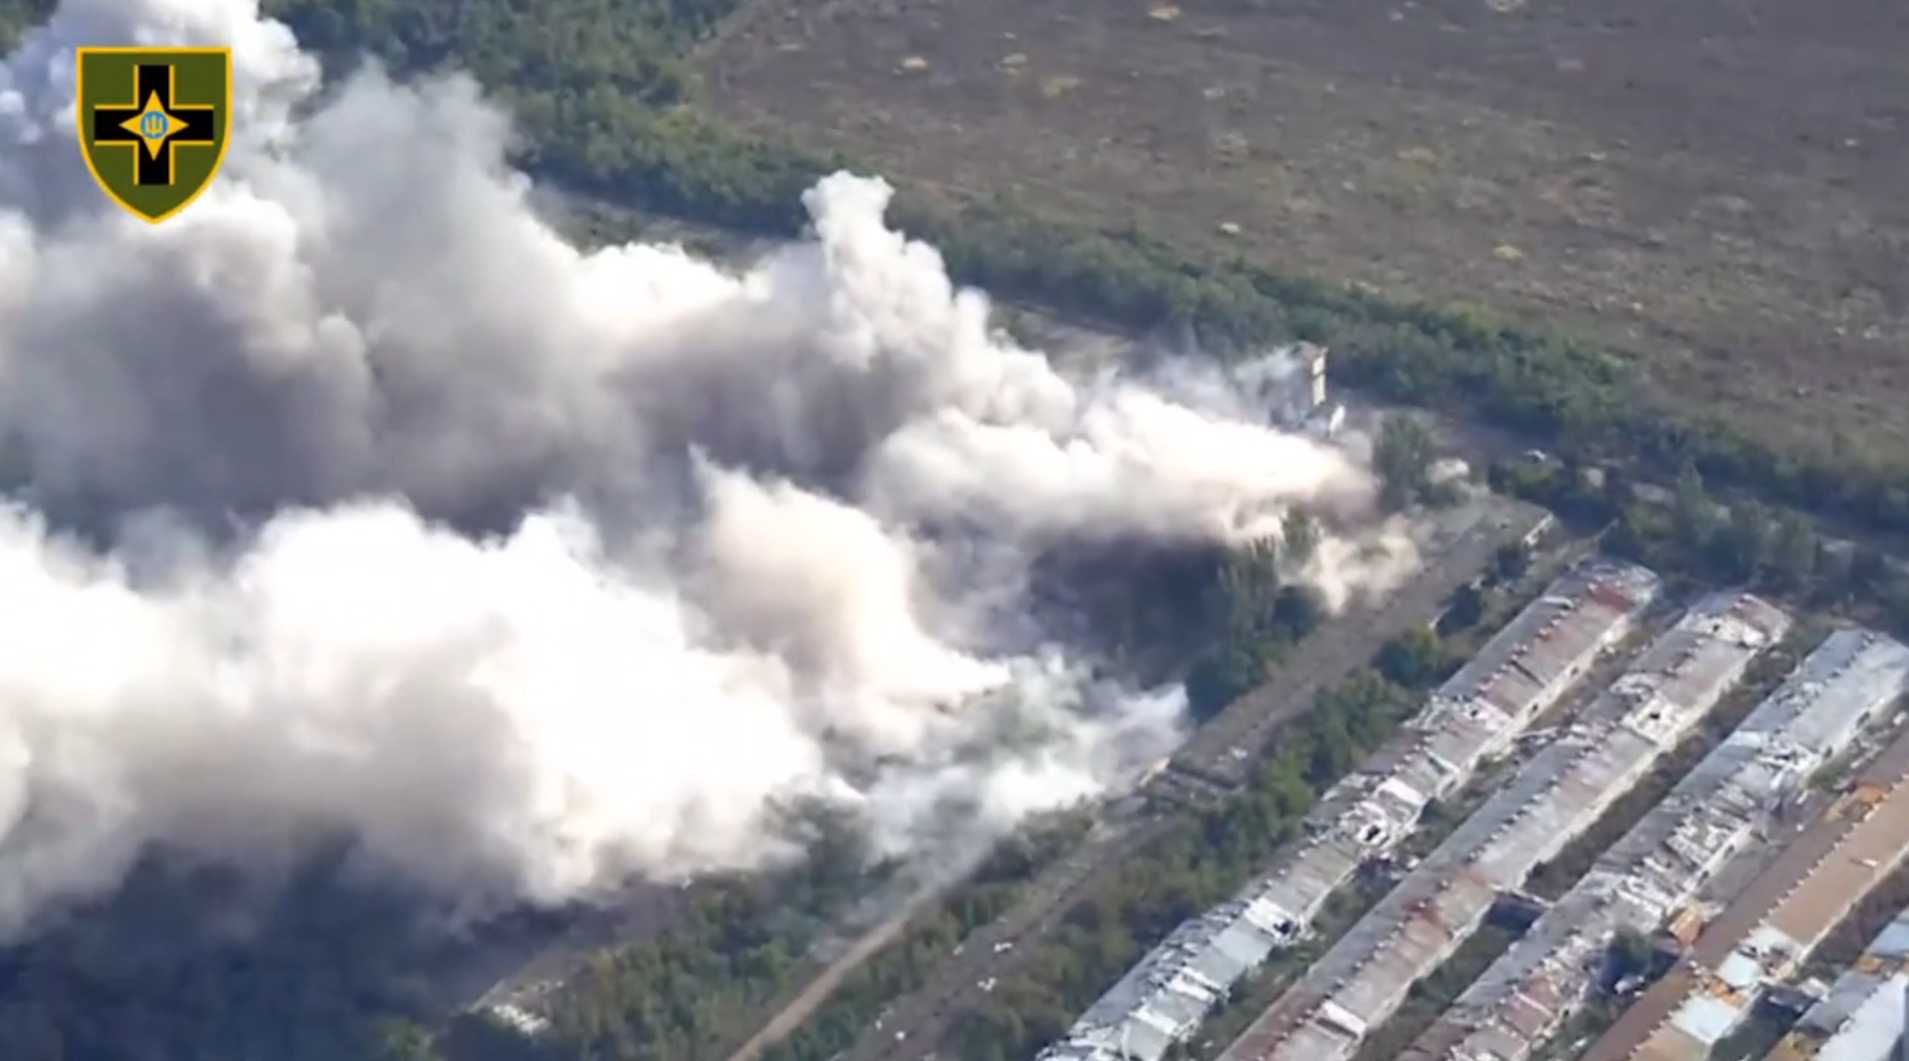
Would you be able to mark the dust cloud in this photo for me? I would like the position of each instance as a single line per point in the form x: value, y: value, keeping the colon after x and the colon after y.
x: 532, y: 568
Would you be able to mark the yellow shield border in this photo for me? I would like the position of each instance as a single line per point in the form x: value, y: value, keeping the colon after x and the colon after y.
x: 80, y: 113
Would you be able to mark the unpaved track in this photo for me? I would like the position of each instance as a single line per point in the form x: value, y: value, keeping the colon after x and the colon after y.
x: 818, y: 990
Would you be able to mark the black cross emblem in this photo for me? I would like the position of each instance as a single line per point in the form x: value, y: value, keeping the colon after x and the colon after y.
x: 153, y: 124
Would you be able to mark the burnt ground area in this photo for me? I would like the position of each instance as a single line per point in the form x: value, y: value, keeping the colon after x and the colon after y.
x: 1720, y: 186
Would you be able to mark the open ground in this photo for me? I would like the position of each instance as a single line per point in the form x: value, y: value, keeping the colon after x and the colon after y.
x: 1718, y: 188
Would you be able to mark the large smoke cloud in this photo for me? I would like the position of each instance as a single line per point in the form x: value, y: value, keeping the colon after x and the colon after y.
x: 755, y: 538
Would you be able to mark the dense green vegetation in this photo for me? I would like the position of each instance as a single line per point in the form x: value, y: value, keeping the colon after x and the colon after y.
x: 1694, y: 534
x: 604, y: 114
x: 190, y: 965
x: 678, y: 995
x: 926, y: 943
x: 682, y: 993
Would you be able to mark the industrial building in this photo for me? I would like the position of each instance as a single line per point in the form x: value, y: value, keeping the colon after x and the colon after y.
x: 1767, y: 931
x: 1478, y: 713
x: 1290, y: 384
x: 1733, y: 798
x: 1552, y: 798
x: 1860, y: 1019
x: 1458, y: 544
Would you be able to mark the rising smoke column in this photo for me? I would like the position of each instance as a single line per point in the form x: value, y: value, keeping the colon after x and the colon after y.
x: 533, y: 568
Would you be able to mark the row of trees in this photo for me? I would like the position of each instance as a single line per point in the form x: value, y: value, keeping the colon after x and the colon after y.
x: 1689, y: 529
x: 694, y: 991
x: 930, y: 937
x: 603, y: 98
x: 683, y: 993
x: 198, y: 964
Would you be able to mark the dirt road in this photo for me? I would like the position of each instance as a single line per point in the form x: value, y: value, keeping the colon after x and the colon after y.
x: 791, y: 1015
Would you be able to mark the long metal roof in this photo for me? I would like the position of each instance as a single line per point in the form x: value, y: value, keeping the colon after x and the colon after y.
x: 1768, y: 929
x: 1861, y: 1019
x: 1560, y: 792
x: 1459, y: 543
x: 1477, y: 713
x: 1849, y: 683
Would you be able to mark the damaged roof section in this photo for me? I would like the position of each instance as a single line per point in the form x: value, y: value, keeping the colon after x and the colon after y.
x: 1554, y: 797
x: 1766, y: 932
x: 1476, y: 714
x: 1848, y: 685
x: 1861, y: 1018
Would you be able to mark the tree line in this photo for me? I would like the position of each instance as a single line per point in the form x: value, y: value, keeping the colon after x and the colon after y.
x: 608, y: 110
x: 1690, y: 530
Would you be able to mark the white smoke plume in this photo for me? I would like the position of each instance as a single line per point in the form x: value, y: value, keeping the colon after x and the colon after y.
x: 763, y: 532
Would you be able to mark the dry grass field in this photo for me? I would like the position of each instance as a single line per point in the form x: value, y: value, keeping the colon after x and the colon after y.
x: 1719, y: 186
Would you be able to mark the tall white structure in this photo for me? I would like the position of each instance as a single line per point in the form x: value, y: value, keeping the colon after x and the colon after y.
x: 1291, y: 383
x: 1312, y: 360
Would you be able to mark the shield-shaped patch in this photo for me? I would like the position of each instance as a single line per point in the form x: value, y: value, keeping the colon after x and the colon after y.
x: 154, y: 122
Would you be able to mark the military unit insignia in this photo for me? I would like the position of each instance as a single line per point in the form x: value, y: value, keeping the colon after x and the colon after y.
x: 154, y: 123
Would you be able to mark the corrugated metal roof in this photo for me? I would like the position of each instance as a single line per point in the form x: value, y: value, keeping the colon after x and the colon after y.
x: 1476, y: 714
x: 1893, y: 944
x: 1861, y: 1017
x: 1726, y: 993
x: 1708, y: 1018
x: 1874, y: 1030
x: 1556, y: 795
x: 1816, y: 879
x: 1851, y: 681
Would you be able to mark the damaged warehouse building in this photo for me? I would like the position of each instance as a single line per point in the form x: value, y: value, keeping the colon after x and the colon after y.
x: 1553, y: 797
x: 1860, y: 1017
x: 1737, y: 796
x: 1762, y: 936
x: 1477, y: 714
